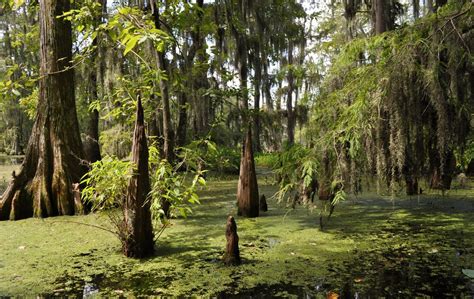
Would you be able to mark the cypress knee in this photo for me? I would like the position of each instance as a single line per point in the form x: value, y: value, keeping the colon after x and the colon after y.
x: 232, y: 254
x: 138, y: 240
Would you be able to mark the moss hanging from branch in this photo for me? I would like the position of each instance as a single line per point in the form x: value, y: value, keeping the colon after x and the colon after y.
x: 405, y: 107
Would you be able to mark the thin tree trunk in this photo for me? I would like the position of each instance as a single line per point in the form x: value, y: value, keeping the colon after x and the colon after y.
x: 380, y: 16
x: 289, y: 99
x: 416, y: 9
x: 137, y: 216
x: 91, y: 142
x: 181, y: 130
x: 267, y: 86
x: 168, y: 135
x: 52, y: 163
x: 257, y: 88
x: 430, y: 6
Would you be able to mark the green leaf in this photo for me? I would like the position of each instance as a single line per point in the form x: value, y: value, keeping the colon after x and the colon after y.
x: 131, y: 43
x: 468, y: 272
x: 16, y: 92
x: 18, y: 3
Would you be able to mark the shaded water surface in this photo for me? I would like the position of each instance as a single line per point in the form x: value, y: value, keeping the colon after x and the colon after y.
x: 401, y: 272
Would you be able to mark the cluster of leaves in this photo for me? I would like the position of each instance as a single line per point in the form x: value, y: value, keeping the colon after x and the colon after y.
x: 294, y: 167
x: 211, y: 156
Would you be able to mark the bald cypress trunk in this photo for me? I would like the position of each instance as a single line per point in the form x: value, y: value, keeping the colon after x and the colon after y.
x: 247, y: 190
x: 139, y: 232
x: 44, y: 185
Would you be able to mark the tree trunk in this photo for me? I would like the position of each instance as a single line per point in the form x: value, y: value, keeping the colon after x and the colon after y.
x: 267, y: 86
x: 380, y: 16
x: 138, y: 240
x: 416, y: 9
x: 247, y: 190
x: 232, y: 254
x: 263, y: 203
x: 411, y: 186
x: 289, y: 99
x: 430, y: 6
x: 470, y: 168
x: 181, y: 133
x: 168, y: 135
x: 257, y: 88
x: 44, y: 185
x: 181, y: 130
x: 91, y: 142
x: 442, y: 175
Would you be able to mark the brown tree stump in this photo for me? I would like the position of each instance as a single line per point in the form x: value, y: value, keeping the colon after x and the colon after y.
x: 232, y: 253
x: 138, y: 240
x: 263, y: 203
x: 247, y: 189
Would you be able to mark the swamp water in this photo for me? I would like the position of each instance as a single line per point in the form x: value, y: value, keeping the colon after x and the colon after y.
x: 371, y: 248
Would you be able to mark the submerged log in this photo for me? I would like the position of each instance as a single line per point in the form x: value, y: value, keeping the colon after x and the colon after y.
x: 263, y: 203
x: 138, y: 238
x: 247, y: 190
x: 232, y: 253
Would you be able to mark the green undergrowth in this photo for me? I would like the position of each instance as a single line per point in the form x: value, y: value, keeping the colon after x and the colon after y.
x: 372, y: 245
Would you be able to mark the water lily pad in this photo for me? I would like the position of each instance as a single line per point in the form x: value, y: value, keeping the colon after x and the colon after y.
x: 468, y: 272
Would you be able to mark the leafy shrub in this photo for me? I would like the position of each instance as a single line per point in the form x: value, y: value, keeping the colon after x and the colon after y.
x: 266, y: 159
x: 221, y: 159
x: 107, y: 182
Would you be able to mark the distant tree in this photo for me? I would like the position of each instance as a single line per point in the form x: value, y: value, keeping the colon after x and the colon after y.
x: 91, y: 142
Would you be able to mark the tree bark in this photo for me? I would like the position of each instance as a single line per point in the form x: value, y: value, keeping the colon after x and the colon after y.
x: 263, y: 203
x: 430, y: 6
x: 247, y: 190
x: 168, y: 134
x: 232, y: 254
x: 137, y: 216
x: 412, y: 186
x: 44, y: 185
x: 380, y: 16
x: 289, y: 99
x: 257, y: 88
x: 91, y: 142
x: 416, y: 8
